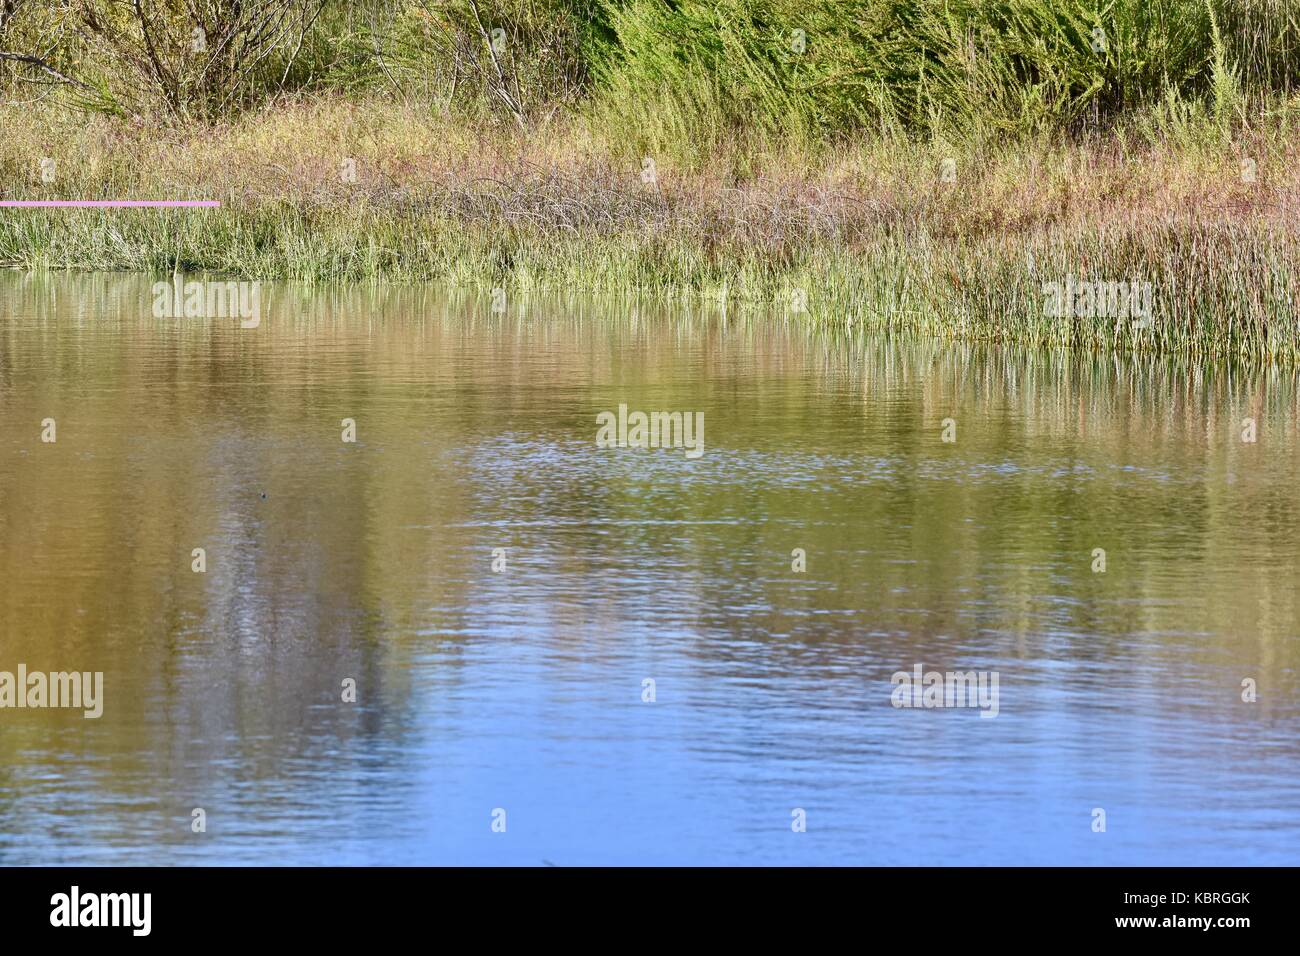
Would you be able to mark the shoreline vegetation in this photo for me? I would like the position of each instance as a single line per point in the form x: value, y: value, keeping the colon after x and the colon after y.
x: 944, y: 167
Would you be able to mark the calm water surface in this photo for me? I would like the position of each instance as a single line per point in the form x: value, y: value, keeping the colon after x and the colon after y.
x: 522, y: 689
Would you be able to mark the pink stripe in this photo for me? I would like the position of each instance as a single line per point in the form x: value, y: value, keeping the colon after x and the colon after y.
x: 109, y: 203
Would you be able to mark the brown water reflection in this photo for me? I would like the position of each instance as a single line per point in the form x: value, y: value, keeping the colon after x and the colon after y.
x: 523, y: 689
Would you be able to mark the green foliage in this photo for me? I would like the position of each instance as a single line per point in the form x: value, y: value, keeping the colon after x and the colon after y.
x: 679, y: 77
x: 683, y: 75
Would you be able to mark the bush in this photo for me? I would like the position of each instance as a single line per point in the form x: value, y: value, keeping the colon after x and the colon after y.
x: 197, y: 59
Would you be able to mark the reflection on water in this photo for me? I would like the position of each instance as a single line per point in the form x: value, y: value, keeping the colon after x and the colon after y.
x: 522, y: 689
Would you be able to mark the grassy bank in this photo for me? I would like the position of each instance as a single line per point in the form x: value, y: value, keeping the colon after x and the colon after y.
x: 868, y: 233
x: 925, y: 166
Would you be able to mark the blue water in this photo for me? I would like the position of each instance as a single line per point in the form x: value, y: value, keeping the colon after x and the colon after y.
x: 522, y: 689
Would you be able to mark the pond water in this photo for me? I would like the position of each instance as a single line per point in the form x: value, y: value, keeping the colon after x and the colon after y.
x: 633, y: 655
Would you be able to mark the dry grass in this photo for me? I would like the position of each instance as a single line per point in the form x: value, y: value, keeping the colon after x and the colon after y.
x: 866, y: 230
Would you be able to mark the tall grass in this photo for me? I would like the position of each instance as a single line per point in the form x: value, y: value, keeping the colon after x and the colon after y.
x: 681, y: 76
